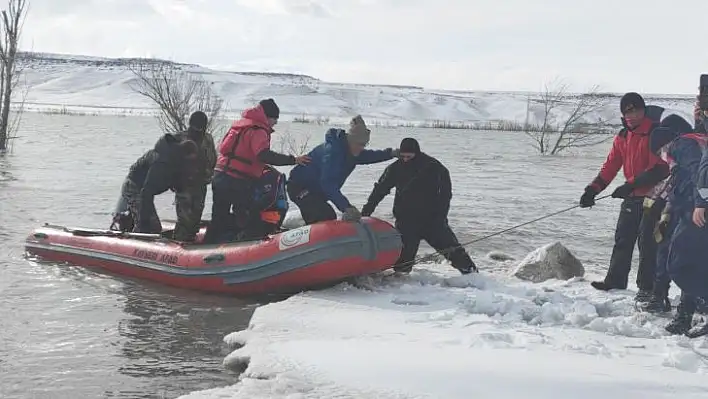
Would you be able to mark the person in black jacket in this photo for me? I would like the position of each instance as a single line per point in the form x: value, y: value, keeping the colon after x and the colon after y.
x: 421, y: 205
x: 171, y: 165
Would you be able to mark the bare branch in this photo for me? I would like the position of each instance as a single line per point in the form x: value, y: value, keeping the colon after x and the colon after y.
x: 287, y: 143
x: 177, y: 93
x: 575, y: 130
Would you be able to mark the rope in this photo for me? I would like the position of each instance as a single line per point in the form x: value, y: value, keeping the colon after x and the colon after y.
x: 433, y: 255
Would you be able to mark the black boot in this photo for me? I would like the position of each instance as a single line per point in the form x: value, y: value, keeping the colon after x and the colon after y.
x: 681, y: 322
x: 657, y: 304
x: 604, y: 286
x: 699, y: 330
x: 643, y: 296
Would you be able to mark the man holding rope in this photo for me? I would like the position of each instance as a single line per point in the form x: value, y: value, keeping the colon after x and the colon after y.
x: 642, y: 170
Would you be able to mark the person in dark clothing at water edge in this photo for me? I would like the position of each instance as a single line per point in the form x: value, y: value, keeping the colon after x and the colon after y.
x: 191, y: 200
x: 420, y: 206
x: 311, y: 186
x: 243, y: 154
x: 171, y: 165
x: 642, y: 170
x: 686, y: 263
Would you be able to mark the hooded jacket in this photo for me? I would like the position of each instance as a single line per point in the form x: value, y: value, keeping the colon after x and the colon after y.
x: 423, y: 190
x: 330, y: 166
x: 631, y: 153
x: 158, y: 170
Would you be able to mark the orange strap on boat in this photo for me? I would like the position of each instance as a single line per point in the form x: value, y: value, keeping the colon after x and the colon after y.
x: 272, y: 217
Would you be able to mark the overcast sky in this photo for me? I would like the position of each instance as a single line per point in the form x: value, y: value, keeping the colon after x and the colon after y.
x: 623, y: 45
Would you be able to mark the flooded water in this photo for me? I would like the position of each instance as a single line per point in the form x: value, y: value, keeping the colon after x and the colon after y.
x: 66, y: 332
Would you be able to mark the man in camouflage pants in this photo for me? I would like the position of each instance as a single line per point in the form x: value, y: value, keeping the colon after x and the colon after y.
x: 190, y: 201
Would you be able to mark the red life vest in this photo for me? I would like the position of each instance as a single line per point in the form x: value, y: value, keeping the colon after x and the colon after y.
x: 237, y: 155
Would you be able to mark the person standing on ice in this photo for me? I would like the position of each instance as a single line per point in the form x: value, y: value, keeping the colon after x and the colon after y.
x: 642, y: 170
x: 420, y: 206
x: 190, y: 201
x: 311, y: 186
x: 688, y: 252
x: 657, y: 202
x: 243, y: 154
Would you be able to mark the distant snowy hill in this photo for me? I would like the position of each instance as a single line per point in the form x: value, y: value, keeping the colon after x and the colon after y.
x: 101, y: 85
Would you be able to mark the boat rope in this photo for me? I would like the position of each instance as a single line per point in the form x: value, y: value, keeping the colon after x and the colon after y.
x: 431, y: 256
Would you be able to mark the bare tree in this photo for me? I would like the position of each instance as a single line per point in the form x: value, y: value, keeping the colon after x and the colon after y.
x: 177, y: 93
x: 13, y: 19
x: 575, y: 130
x: 287, y: 143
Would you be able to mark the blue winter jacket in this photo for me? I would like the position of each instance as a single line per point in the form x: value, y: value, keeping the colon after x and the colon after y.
x: 687, y: 154
x: 331, y: 165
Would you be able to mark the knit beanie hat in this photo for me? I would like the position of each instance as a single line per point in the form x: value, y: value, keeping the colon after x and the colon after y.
x: 198, y: 121
x: 358, y: 132
x: 409, y: 145
x: 660, y: 137
x: 631, y: 101
x: 270, y: 108
x: 677, y: 124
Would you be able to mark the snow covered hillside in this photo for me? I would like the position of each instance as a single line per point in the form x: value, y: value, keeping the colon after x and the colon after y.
x: 63, y: 83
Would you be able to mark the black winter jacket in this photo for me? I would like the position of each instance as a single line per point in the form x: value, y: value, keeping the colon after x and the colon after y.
x: 423, y: 190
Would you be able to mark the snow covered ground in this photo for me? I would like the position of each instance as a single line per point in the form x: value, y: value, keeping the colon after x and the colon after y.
x: 92, y: 85
x: 435, y: 334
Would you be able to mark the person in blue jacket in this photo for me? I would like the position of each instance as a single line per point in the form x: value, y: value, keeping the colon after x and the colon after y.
x: 686, y: 263
x: 310, y: 186
x: 658, y: 203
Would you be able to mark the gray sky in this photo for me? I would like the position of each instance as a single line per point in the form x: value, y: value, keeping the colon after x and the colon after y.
x: 623, y: 45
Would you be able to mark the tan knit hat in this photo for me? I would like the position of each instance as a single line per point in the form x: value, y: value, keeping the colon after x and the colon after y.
x: 358, y: 132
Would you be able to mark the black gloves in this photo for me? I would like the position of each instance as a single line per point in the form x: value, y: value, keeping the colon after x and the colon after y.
x: 588, y: 198
x: 367, y: 210
x: 623, y: 191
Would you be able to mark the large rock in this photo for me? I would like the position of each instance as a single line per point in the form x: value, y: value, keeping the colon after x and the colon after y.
x: 549, y: 261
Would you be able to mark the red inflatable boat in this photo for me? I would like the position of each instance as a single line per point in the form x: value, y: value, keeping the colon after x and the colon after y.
x: 307, y: 257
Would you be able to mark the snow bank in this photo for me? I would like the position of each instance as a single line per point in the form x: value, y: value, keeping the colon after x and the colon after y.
x: 103, y: 86
x: 440, y: 335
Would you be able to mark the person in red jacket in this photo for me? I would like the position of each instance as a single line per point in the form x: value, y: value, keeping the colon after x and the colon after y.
x: 642, y: 171
x: 243, y: 154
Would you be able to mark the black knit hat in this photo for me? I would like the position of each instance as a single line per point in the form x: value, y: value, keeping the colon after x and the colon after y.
x: 270, y: 108
x: 631, y: 101
x: 198, y: 121
x: 409, y: 145
x: 660, y: 137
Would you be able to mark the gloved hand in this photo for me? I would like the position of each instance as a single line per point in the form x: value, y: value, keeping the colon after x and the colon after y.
x: 367, y: 210
x: 661, y: 226
x: 623, y: 191
x: 648, y: 203
x: 395, y: 152
x: 588, y: 198
x: 351, y: 214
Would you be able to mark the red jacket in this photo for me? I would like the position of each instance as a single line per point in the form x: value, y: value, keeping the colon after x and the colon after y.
x: 630, y: 152
x: 247, y: 137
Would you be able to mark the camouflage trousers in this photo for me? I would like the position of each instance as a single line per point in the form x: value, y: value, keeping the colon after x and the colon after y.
x: 190, y: 206
x: 131, y: 193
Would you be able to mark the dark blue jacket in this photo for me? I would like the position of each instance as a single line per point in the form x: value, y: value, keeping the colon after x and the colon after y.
x: 331, y: 165
x: 687, y: 156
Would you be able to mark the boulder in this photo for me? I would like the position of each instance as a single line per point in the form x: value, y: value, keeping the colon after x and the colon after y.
x: 552, y: 261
